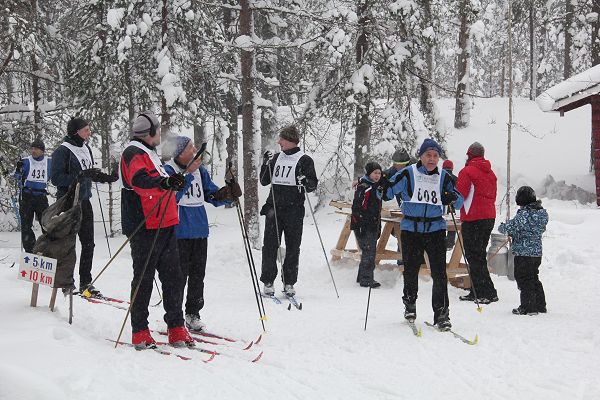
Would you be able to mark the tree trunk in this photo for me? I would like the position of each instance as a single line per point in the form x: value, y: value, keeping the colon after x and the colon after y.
x: 596, y: 34
x: 425, y: 100
x: 541, y: 49
x: 199, y: 134
x: 165, y: 123
x: 268, y: 115
x: 532, y: 58
x: 510, y: 111
x: 231, y: 105
x: 502, y: 72
x: 249, y: 131
x: 362, y: 119
x: 463, y: 102
x: 35, y: 81
x: 569, y: 9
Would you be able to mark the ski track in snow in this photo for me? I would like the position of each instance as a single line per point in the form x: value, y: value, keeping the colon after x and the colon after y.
x: 323, y: 352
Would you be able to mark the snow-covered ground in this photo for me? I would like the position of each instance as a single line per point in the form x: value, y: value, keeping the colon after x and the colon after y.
x: 322, y: 352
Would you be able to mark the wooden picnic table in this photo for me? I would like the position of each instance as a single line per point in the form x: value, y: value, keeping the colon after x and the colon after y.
x: 390, y: 219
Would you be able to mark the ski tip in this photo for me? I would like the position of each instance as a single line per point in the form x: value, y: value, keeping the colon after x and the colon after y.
x: 476, y: 340
x: 258, y: 357
x: 257, y: 341
x: 420, y: 333
x: 300, y: 306
x: 289, y: 307
x: 248, y: 347
x: 212, y: 357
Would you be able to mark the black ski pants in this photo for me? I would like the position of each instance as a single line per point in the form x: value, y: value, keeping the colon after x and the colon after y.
x: 86, y: 238
x: 31, y: 206
x: 164, y: 258
x: 192, y: 257
x: 367, y: 241
x: 413, y: 246
x: 476, y: 235
x: 290, y: 222
x: 527, y: 270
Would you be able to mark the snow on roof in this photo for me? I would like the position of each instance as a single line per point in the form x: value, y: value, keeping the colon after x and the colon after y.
x: 573, y: 89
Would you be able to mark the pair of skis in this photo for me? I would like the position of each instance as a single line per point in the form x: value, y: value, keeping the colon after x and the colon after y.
x: 292, y: 300
x: 419, y: 333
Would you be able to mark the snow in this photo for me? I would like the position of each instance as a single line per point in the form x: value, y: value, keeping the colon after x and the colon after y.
x: 114, y: 17
x: 575, y: 88
x: 322, y: 352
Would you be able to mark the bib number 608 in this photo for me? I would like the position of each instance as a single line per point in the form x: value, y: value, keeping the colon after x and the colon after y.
x: 426, y: 196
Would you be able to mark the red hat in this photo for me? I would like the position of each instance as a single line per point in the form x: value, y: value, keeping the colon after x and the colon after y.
x: 448, y: 165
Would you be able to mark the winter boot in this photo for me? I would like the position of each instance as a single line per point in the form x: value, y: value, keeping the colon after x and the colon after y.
x: 442, y: 320
x: 289, y: 290
x: 410, y: 311
x: 142, y: 340
x: 89, y: 291
x: 373, y: 284
x: 522, y: 311
x: 269, y: 290
x: 180, y: 337
x: 193, y: 322
x: 467, y: 297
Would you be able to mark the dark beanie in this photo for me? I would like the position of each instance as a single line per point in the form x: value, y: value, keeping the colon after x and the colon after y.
x: 525, y: 195
x: 429, y: 144
x: 75, y: 124
x: 290, y: 133
x: 476, y: 150
x: 400, y: 157
x: 372, y: 166
x: 38, y: 144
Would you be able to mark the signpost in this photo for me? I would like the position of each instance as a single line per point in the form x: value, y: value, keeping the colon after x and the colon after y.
x: 38, y: 270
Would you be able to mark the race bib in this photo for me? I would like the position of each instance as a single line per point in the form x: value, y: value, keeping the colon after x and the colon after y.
x: 426, y: 188
x: 82, y: 154
x: 194, y: 196
x: 284, y: 172
x: 38, y: 170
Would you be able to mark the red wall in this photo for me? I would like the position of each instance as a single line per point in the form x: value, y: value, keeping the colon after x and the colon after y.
x: 595, y: 101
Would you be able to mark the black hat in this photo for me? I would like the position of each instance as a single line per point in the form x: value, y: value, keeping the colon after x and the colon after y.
x: 476, y: 150
x: 525, y: 195
x: 38, y: 144
x: 372, y: 166
x: 400, y: 157
x: 75, y: 124
x: 290, y: 133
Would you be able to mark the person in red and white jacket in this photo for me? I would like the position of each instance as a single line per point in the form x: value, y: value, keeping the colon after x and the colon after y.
x: 477, y: 183
x: 148, y: 192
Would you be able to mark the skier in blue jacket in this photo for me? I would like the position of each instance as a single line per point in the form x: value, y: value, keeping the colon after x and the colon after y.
x: 425, y: 190
x: 192, y: 231
x: 33, y: 174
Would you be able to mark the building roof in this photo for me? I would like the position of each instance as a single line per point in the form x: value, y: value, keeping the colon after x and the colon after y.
x: 571, y: 93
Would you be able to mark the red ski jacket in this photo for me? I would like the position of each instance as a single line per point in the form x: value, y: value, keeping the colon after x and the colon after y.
x: 477, y: 183
x: 141, y: 191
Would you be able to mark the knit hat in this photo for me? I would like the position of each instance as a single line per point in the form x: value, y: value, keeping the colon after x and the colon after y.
x: 476, y: 150
x: 178, y: 145
x: 38, y: 144
x: 429, y: 144
x: 525, y: 195
x: 141, y: 125
x: 448, y: 165
x: 290, y: 133
x: 75, y: 124
x: 372, y: 166
x: 400, y: 157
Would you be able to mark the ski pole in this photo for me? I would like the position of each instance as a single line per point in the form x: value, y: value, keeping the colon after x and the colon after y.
x: 276, y: 224
x: 103, y: 220
x: 250, y: 258
x: 159, y: 294
x: 137, y: 288
x: 368, y: 302
x: 462, y: 249
x: 322, y: 245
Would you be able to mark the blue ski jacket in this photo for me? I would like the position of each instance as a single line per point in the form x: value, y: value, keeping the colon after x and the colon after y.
x: 526, y: 229
x: 34, y: 188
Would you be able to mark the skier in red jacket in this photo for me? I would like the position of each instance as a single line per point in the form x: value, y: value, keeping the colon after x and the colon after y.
x: 477, y: 183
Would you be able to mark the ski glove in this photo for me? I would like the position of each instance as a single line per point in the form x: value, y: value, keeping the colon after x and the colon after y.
x: 174, y: 182
x: 235, y: 189
x: 223, y: 194
x: 268, y: 156
x: 449, y: 198
x: 98, y: 176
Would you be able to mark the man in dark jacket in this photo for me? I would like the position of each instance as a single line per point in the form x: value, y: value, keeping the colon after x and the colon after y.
x: 73, y: 160
x: 291, y: 174
x: 477, y: 183
x: 32, y: 173
x: 147, y: 199
x: 425, y: 191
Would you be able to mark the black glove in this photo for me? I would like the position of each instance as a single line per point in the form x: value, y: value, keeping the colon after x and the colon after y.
x: 20, y: 165
x: 268, y: 156
x: 236, y: 190
x: 384, y: 183
x: 91, y: 173
x: 223, y: 194
x: 101, y: 177
x: 174, y: 182
x: 448, y: 198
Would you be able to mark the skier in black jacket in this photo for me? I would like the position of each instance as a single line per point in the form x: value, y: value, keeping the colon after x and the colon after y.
x: 292, y: 174
x: 73, y: 160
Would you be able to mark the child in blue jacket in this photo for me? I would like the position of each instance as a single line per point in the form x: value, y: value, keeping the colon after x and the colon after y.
x: 526, y: 230
x: 192, y: 231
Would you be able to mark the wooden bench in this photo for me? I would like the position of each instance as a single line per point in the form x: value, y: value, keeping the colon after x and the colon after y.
x: 391, y: 218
